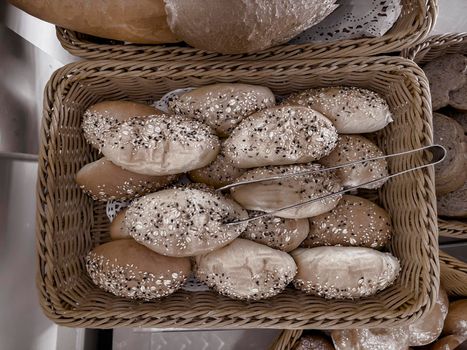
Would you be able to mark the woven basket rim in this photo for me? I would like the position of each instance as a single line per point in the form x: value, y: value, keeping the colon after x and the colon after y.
x: 80, y: 70
x: 419, y: 28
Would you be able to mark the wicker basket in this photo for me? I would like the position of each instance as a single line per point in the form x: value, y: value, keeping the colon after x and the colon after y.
x: 432, y: 48
x: 415, y: 22
x: 69, y: 223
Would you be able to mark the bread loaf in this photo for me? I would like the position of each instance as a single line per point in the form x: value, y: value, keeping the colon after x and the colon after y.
x: 128, y: 269
x: 246, y: 270
x: 343, y: 272
x: 456, y: 320
x: 117, y: 230
x: 222, y: 106
x: 371, y: 339
x: 458, y: 116
x: 313, y: 342
x: 352, y: 110
x: 280, y: 136
x: 458, y: 98
x: 183, y: 221
x: 355, y: 221
x: 352, y: 148
x: 453, y: 204
x: 450, y: 342
x: 104, y: 181
x: 272, y: 195
x: 137, y: 21
x: 243, y: 26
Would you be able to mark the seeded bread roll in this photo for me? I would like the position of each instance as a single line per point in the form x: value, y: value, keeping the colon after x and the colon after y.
x: 354, y: 221
x: 454, y: 204
x: 222, y: 106
x: 117, y: 230
x: 227, y: 26
x: 371, y: 339
x: 184, y: 221
x: 246, y: 270
x: 277, y: 233
x: 101, y: 118
x: 450, y: 342
x: 128, y: 269
x: 104, y: 181
x: 280, y: 136
x: 428, y: 328
x: 272, y: 195
x: 452, y: 172
x: 456, y: 321
x: 161, y: 145
x: 344, y: 272
x: 352, y: 110
x: 219, y: 173
x: 352, y: 148
x: 313, y: 342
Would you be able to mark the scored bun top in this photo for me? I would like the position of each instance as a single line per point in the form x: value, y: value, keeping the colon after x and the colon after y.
x: 222, y: 106
x: 231, y: 27
x: 280, y: 136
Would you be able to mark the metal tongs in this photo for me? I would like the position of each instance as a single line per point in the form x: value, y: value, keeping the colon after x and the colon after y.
x: 438, y: 153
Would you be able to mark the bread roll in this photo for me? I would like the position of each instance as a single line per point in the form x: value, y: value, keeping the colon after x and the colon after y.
x: 450, y: 342
x: 456, y: 321
x: 128, y: 269
x: 458, y: 98
x: 458, y: 116
x: 137, y: 21
x: 243, y: 26
x: 104, y: 181
x: 277, y: 233
x: 161, y: 145
x: 355, y: 221
x: 246, y: 270
x: 450, y: 174
x: 313, y: 342
x: 371, y: 339
x: 344, y: 272
x: 280, y: 136
x: 102, y: 117
x: 428, y: 328
x: 272, y: 195
x: 352, y: 110
x: 184, y: 221
x: 117, y: 230
x: 352, y: 148
x: 219, y: 173
x: 454, y: 204
x: 222, y: 106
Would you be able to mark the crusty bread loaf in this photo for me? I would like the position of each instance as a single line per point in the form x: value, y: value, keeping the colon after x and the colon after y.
x: 280, y: 136
x: 355, y: 221
x: 454, y: 204
x: 222, y: 106
x: 352, y: 148
x: 104, y: 181
x: 452, y: 172
x: 246, y: 270
x: 450, y: 342
x: 184, y: 221
x: 227, y: 26
x: 277, y: 233
x: 371, y: 339
x: 272, y: 195
x: 137, y: 21
x: 445, y: 74
x: 343, y: 272
x: 117, y: 229
x: 128, y: 269
x: 313, y: 342
x: 352, y: 110
x: 456, y: 320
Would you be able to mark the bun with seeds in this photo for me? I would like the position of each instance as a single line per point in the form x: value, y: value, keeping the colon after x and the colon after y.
x: 222, y: 106
x: 269, y: 196
x: 277, y: 233
x: 352, y: 148
x: 354, y: 221
x: 352, y: 110
x: 246, y: 270
x: 344, y: 272
x: 102, y: 117
x: 104, y: 181
x: 184, y: 221
x: 117, y: 230
x: 313, y: 342
x: 130, y: 270
x: 371, y: 339
x: 280, y: 136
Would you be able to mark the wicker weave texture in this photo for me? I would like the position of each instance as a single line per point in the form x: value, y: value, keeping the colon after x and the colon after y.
x: 69, y: 223
x: 422, y: 53
x: 415, y: 22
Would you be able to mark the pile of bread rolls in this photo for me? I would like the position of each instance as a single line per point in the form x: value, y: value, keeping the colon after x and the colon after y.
x: 222, y: 134
x: 443, y: 328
